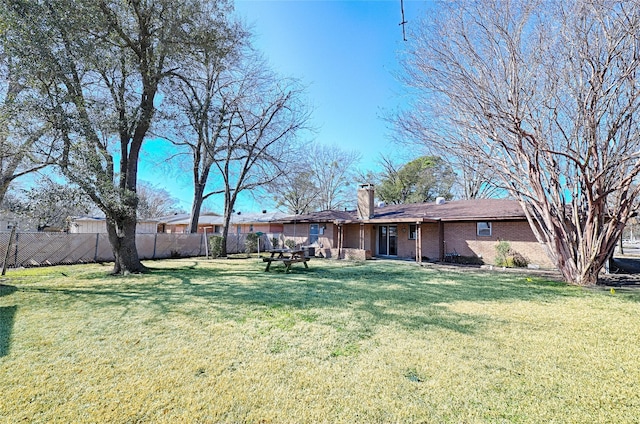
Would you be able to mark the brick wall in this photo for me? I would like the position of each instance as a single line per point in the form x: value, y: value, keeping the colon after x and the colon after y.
x: 351, y: 254
x: 462, y: 237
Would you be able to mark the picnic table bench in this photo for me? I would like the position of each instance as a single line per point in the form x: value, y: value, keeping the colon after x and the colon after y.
x: 287, y: 257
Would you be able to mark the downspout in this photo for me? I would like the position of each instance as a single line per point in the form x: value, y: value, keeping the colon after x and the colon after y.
x: 418, y: 242
x: 440, y: 240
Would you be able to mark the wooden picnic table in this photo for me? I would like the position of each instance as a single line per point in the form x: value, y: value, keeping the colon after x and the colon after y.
x: 287, y: 257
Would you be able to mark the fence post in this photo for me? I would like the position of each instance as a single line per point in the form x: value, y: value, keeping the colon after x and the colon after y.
x: 155, y: 242
x: 95, y: 254
x: 15, y: 253
x: 206, y: 246
x: 6, y: 255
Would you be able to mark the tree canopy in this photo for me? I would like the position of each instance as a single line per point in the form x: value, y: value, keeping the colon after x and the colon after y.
x: 320, y: 177
x: 100, y: 67
x: 420, y: 180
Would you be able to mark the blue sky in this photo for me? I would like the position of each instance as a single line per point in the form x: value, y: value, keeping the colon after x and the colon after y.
x: 346, y: 53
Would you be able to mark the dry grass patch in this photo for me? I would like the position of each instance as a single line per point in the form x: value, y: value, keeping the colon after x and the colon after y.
x: 223, y: 341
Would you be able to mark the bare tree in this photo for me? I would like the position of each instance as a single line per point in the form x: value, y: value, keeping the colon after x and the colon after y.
x: 334, y: 172
x: 201, y: 100
x: 420, y: 128
x: 243, y: 120
x: 263, y: 124
x: 102, y: 64
x: 295, y: 189
x: 545, y: 95
x: 154, y: 201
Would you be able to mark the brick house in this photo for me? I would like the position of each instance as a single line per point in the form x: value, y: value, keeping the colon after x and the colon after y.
x: 179, y: 223
x: 431, y: 231
x: 93, y: 225
x: 265, y: 222
x: 212, y: 223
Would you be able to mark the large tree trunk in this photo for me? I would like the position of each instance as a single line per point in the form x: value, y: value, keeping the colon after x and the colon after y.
x: 579, y: 247
x: 195, y: 208
x: 122, y: 236
x: 225, y: 228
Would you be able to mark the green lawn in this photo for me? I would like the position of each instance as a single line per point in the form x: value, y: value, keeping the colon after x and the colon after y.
x: 223, y: 341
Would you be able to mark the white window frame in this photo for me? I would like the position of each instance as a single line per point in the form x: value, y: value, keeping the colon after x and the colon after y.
x: 413, y: 231
x: 315, y: 234
x: 484, y: 229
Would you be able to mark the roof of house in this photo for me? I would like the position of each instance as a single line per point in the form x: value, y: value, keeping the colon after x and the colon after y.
x: 185, y: 218
x: 103, y: 219
x: 252, y: 218
x: 215, y: 219
x: 323, y: 216
x: 457, y: 210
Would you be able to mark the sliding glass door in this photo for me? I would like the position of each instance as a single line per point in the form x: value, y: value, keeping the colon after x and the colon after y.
x: 388, y: 240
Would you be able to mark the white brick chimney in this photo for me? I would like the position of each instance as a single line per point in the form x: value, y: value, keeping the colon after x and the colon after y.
x: 366, y: 201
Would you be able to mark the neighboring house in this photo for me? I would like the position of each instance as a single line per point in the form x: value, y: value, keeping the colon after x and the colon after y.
x: 265, y: 222
x: 421, y: 231
x: 8, y: 220
x: 179, y: 223
x: 241, y: 223
x: 91, y: 224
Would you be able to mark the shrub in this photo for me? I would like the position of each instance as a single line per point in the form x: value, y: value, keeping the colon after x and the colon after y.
x: 470, y: 260
x: 275, y: 242
x: 290, y: 244
x: 518, y: 260
x: 251, y: 243
x: 502, y: 251
x: 507, y: 257
x: 215, y: 246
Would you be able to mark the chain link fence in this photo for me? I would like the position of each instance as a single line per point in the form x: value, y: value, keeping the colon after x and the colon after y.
x: 38, y: 249
x: 236, y: 243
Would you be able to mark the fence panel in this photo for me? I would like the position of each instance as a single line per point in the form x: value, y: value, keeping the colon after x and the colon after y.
x: 177, y: 245
x: 236, y: 242
x: 35, y: 249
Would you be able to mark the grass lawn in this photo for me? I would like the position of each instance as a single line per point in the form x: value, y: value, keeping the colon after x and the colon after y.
x: 223, y: 341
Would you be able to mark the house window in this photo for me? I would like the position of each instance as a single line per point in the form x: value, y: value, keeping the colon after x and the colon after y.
x: 251, y: 228
x: 413, y: 231
x: 313, y: 233
x: 484, y: 229
x: 217, y: 229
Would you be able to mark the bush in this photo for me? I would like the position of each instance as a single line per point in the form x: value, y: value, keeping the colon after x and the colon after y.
x: 251, y: 243
x: 518, y: 260
x: 507, y: 257
x: 502, y: 251
x: 275, y: 242
x: 215, y: 246
x: 290, y: 244
x: 470, y: 260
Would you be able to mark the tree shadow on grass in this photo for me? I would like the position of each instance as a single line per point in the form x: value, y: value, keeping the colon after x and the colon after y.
x: 7, y: 318
x: 368, y: 294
